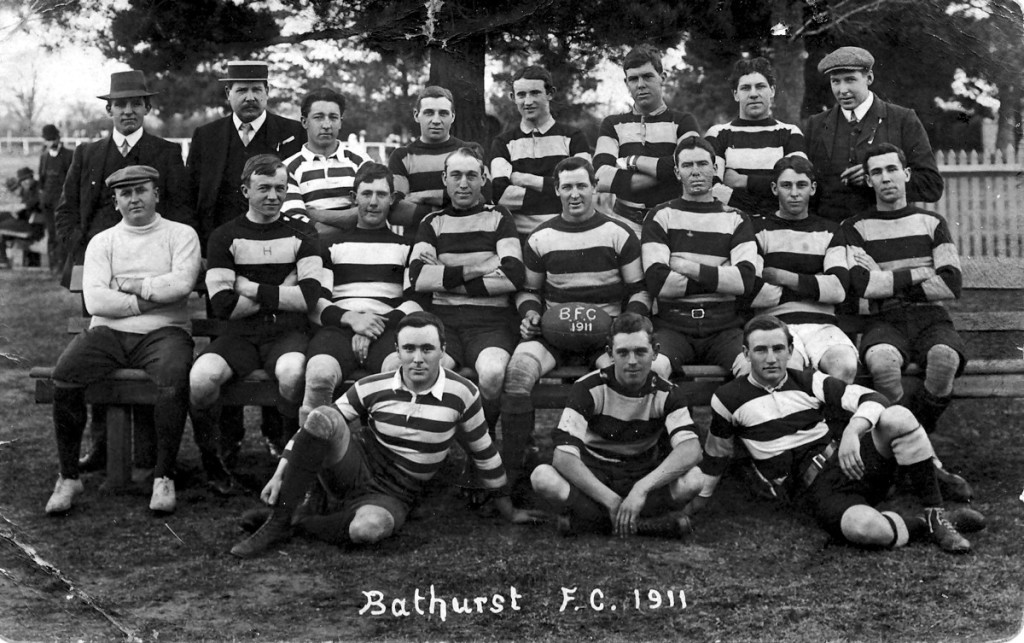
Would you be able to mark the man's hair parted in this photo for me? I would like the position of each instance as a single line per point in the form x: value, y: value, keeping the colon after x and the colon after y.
x: 798, y: 164
x: 766, y: 322
x: 692, y: 143
x: 421, y: 319
x: 262, y: 164
x: 533, y: 72
x: 370, y: 172
x: 575, y: 163
x: 473, y: 151
x: 325, y: 94
x: 630, y: 323
x: 878, y: 149
x: 435, y: 91
x: 640, y: 56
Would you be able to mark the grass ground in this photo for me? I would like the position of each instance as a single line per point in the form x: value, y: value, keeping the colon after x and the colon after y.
x: 750, y: 572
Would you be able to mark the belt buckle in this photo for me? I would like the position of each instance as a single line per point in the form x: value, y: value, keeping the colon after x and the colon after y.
x: 273, y: 318
x: 697, y: 313
x: 819, y: 461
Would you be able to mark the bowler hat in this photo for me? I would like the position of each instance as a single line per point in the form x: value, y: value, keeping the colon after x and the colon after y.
x: 25, y: 173
x: 132, y: 175
x: 854, y: 58
x: 247, y: 70
x: 50, y: 133
x: 127, y: 84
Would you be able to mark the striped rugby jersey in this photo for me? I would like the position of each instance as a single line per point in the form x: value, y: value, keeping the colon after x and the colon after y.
x: 419, y: 165
x: 909, y: 244
x: 283, y: 256
x: 723, y: 242
x: 772, y: 423
x: 752, y: 148
x: 365, y: 271
x: 611, y: 424
x: 464, y: 238
x: 624, y: 135
x: 595, y: 262
x: 414, y: 432
x: 814, y: 249
x: 321, y: 182
x: 535, y: 152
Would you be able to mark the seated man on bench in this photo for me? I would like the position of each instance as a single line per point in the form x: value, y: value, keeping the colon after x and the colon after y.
x: 136, y: 281
x: 779, y: 416
x: 411, y: 417
x: 263, y: 279
x: 361, y: 301
x: 609, y: 472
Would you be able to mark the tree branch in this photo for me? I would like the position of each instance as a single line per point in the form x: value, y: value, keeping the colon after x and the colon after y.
x: 839, y: 16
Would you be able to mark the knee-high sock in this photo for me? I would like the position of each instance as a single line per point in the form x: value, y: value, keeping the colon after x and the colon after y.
x: 886, y: 364
x: 69, y: 424
x: 940, y: 370
x: 332, y: 528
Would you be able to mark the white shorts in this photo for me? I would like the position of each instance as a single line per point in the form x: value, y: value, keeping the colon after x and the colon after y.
x: 812, y: 341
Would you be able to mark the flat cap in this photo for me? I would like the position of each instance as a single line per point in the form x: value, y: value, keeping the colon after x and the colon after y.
x: 132, y: 175
x: 847, y: 58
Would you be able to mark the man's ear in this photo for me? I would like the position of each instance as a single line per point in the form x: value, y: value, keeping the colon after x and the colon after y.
x: 156, y: 193
x: 775, y: 189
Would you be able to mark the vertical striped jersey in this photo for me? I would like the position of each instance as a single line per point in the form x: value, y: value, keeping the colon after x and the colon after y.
x: 535, y: 152
x: 772, y: 423
x: 321, y: 182
x: 814, y: 249
x: 914, y: 251
x: 415, y: 431
x: 606, y: 422
x: 466, y: 238
x: 631, y: 133
x: 752, y: 148
x: 282, y: 256
x: 365, y: 271
x: 595, y: 262
x: 704, y: 232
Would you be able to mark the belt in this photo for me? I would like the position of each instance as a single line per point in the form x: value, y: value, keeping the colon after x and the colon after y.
x: 818, y: 463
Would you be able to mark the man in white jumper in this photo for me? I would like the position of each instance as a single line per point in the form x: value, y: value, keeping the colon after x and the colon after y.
x: 136, y: 281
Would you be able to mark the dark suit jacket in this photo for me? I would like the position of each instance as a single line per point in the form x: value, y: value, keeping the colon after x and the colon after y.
x: 84, y: 184
x: 207, y: 158
x: 52, y: 172
x: 884, y: 123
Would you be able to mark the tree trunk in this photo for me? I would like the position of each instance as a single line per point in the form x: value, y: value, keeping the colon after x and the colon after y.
x: 788, y: 58
x: 460, y: 68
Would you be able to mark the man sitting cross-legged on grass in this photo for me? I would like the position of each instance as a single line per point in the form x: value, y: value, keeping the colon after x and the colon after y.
x: 361, y: 301
x: 136, y: 282
x: 608, y: 469
x: 263, y: 278
x: 579, y: 256
x: 411, y: 416
x: 779, y: 415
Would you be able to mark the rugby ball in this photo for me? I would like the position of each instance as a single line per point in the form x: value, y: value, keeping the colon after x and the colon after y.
x: 575, y: 326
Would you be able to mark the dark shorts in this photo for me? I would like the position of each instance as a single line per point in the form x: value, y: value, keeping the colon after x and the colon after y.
x: 165, y: 354
x: 913, y: 330
x: 469, y: 333
x: 589, y: 515
x: 832, y: 493
x: 337, y: 342
x: 719, y: 348
x: 247, y: 353
x: 360, y: 478
x: 564, y: 357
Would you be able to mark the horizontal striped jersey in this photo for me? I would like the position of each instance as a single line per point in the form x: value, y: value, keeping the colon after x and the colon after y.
x: 624, y: 135
x: 814, y: 249
x: 468, y: 238
x: 606, y: 422
x: 282, y: 256
x: 595, y: 262
x: 415, y: 431
x: 772, y: 423
x: 914, y: 251
x: 535, y: 152
x: 419, y: 165
x: 752, y: 149
x: 704, y: 232
x: 321, y: 182
x: 364, y: 271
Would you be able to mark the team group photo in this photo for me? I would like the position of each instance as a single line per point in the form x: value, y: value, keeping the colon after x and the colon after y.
x: 531, y: 322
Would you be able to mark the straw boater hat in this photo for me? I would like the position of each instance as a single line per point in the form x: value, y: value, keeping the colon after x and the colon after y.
x: 246, y: 71
x: 127, y: 84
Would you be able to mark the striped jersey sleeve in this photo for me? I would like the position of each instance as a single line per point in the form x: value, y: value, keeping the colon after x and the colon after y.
x: 321, y: 182
x: 814, y: 249
x: 914, y: 251
x: 607, y: 423
x: 596, y: 262
x: 721, y: 242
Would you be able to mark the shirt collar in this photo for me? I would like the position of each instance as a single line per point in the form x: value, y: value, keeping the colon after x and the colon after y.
x: 256, y: 123
x: 861, y: 110
x: 543, y: 129
x: 660, y: 110
x: 339, y: 153
x: 437, y: 390
x: 785, y: 378
x: 132, y: 138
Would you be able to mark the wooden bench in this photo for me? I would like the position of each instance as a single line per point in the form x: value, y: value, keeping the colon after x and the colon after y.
x: 988, y: 332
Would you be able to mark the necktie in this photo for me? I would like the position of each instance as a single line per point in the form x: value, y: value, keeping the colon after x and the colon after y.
x: 246, y: 131
x: 124, y: 147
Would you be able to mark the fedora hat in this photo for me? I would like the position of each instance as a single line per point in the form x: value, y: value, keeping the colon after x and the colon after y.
x: 127, y: 84
x: 247, y: 70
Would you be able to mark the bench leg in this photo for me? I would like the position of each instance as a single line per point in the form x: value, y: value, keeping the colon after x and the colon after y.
x: 119, y: 447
